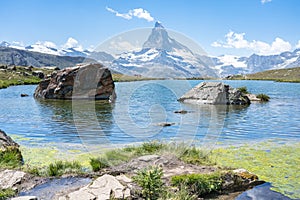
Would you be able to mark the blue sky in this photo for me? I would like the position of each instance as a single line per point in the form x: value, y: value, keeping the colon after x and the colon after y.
x: 238, y: 27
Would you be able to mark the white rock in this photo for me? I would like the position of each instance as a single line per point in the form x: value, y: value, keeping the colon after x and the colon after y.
x: 10, y: 178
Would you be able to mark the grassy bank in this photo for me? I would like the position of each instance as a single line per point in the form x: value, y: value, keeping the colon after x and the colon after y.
x: 272, y: 162
x: 280, y: 75
x: 19, y: 76
x: 278, y: 164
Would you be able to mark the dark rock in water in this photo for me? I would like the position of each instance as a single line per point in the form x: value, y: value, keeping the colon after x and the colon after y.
x: 262, y: 192
x: 181, y: 111
x: 6, y: 142
x: 90, y: 81
x: 165, y: 124
x: 24, y: 95
x: 214, y: 93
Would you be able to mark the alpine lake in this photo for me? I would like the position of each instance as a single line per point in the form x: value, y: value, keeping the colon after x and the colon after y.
x: 263, y: 138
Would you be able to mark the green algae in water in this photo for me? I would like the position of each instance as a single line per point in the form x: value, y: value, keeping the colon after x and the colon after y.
x: 278, y: 164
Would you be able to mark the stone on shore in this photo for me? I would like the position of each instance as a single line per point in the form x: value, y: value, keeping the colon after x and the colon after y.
x: 90, y: 81
x: 103, y: 188
x: 215, y: 93
x: 11, y: 178
x: 6, y: 142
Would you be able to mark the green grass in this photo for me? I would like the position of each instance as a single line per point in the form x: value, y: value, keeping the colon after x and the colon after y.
x: 263, y: 97
x: 185, y: 153
x: 11, y: 77
x: 181, y: 194
x: 243, y: 90
x: 6, y: 193
x: 10, y: 159
x: 60, y: 168
x: 98, y: 163
x: 195, y: 156
x: 271, y: 162
x: 199, y: 184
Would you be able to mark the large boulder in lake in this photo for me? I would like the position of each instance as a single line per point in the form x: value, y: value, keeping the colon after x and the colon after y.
x: 90, y: 81
x: 215, y: 93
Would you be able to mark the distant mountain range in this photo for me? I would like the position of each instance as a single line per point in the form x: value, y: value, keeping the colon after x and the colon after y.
x: 13, y: 56
x: 160, y: 56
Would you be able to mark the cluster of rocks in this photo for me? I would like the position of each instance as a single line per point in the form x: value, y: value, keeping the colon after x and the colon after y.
x: 89, y: 81
x: 217, y: 93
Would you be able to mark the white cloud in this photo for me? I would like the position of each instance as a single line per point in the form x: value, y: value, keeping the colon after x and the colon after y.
x: 125, y: 15
x: 265, y: 1
x: 298, y: 45
x: 138, y: 12
x: 237, y: 41
x: 72, y: 43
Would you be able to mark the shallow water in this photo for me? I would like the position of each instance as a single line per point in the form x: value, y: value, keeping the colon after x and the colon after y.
x: 140, y: 106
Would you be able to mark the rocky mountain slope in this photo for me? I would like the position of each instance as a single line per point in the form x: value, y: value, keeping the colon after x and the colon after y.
x: 13, y: 56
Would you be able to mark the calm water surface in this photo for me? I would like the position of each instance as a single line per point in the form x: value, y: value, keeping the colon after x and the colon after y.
x: 140, y: 106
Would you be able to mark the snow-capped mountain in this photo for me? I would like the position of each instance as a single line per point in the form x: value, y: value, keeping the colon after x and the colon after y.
x: 162, y: 56
x: 4, y: 44
x: 230, y: 65
x: 41, y: 48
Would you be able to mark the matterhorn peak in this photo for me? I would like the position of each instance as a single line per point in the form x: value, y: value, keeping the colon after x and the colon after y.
x: 158, y: 24
x: 160, y: 39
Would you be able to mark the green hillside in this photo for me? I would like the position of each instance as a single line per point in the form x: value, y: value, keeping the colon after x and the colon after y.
x: 282, y: 75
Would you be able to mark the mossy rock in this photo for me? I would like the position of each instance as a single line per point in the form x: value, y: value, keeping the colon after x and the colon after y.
x: 10, y: 154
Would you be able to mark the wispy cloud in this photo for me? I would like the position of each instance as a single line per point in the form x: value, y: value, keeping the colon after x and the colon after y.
x: 265, y: 1
x: 237, y: 41
x: 138, y: 12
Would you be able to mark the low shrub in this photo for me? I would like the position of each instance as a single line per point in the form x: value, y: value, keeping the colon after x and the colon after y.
x: 181, y: 194
x: 243, y: 90
x: 195, y: 156
x: 199, y: 184
x: 150, y: 181
x: 146, y: 148
x: 64, y: 167
x: 10, y: 158
x: 98, y: 163
x: 263, y: 97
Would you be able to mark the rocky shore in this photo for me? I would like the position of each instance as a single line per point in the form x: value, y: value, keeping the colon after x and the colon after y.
x: 119, y: 181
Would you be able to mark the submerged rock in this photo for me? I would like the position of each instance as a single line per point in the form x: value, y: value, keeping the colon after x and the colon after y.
x: 90, y: 81
x: 214, y: 93
x: 163, y: 124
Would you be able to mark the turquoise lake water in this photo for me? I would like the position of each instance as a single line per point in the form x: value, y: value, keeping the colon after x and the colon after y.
x: 140, y: 106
